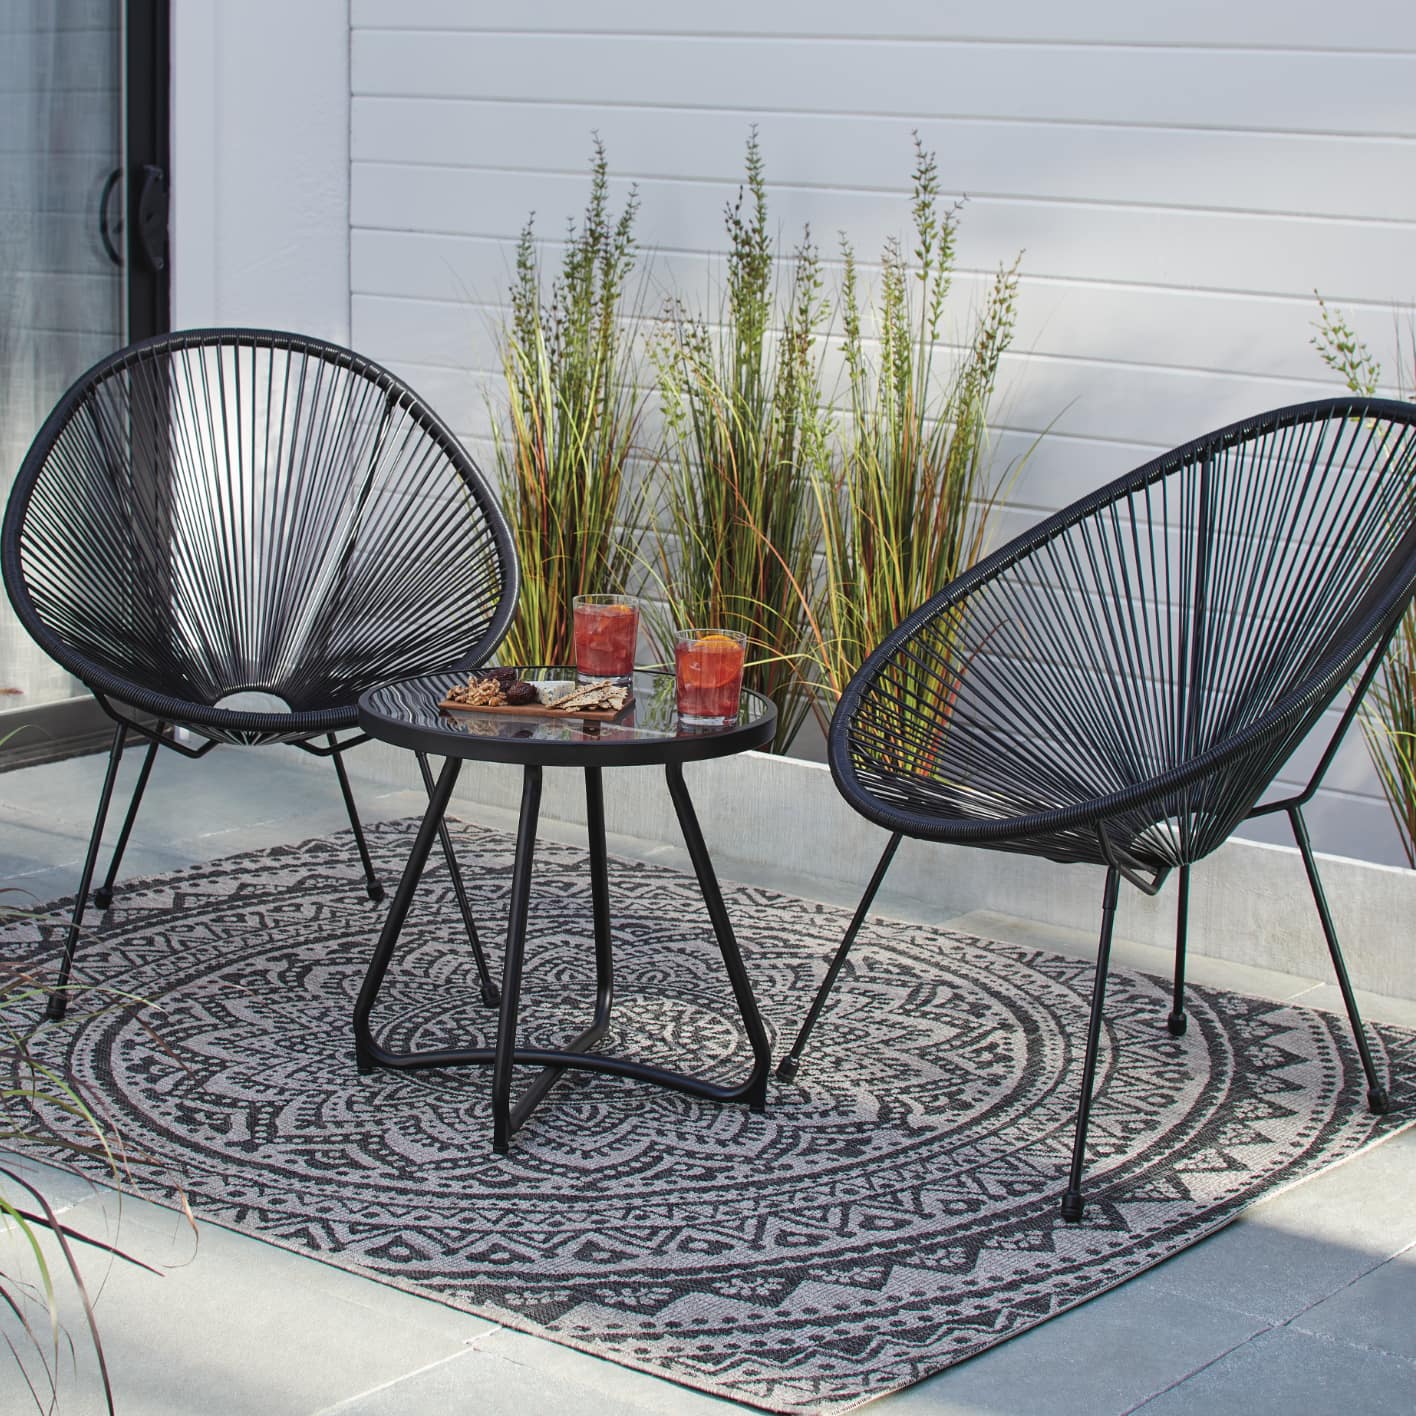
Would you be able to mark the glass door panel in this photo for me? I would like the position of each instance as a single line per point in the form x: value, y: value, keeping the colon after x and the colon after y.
x: 72, y: 78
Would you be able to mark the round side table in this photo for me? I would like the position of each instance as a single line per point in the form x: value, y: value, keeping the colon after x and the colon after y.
x: 647, y: 732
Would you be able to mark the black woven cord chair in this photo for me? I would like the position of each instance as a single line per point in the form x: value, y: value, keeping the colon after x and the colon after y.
x: 1122, y: 684
x: 235, y: 533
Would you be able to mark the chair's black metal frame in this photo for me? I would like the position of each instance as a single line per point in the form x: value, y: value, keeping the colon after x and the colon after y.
x: 1123, y: 684
x: 217, y: 512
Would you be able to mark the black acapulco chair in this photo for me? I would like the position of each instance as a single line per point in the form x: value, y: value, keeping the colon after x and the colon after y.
x: 1122, y: 684
x: 238, y: 532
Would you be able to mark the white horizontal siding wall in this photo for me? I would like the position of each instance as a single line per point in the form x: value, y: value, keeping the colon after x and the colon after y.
x: 260, y: 165
x: 1180, y: 180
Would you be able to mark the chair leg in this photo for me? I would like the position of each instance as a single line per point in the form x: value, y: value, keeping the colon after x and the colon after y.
x: 787, y: 1068
x: 1377, y: 1099
x: 491, y: 994
x: 58, y: 1000
x: 1176, y: 1021
x: 371, y: 881
x: 103, y: 896
x: 1072, y: 1203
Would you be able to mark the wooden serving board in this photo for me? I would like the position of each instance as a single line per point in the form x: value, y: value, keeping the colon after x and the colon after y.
x: 537, y: 710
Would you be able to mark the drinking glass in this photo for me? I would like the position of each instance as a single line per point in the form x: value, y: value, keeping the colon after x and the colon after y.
x: 708, y: 676
x: 606, y: 632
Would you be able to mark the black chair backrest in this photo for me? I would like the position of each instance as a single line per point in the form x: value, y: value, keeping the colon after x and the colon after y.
x: 219, y: 511
x: 1150, y: 657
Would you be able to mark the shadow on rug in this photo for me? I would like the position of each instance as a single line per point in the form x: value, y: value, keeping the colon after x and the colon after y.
x: 894, y: 1212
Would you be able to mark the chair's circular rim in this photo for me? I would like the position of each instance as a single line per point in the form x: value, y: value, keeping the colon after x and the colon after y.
x: 1326, y: 678
x: 168, y: 708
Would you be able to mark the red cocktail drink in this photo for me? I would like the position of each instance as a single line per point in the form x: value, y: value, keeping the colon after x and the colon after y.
x: 708, y: 675
x: 606, y: 632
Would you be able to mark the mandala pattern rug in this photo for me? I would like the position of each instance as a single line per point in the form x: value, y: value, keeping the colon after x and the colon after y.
x: 893, y: 1212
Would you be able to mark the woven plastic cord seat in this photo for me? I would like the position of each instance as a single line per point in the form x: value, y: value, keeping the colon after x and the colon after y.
x: 1122, y: 685
x: 238, y: 532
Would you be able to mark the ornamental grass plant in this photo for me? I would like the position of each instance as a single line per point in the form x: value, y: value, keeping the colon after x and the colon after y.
x: 1389, y: 717
x: 30, y: 1277
x: 1389, y: 727
x: 571, y: 423
x: 39, y: 1252
x: 33, y: 1094
x: 906, y: 506
x: 745, y: 439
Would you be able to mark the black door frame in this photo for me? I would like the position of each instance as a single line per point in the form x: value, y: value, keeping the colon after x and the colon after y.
x: 147, y: 54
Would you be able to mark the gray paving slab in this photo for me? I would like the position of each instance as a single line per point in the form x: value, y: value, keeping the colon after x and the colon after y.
x: 1283, y: 1372
x: 63, y: 1189
x: 1291, y: 1251
x: 1377, y: 1311
x: 26, y: 851
x: 201, y: 811
x: 229, y: 788
x: 1363, y: 1205
x: 61, y: 880
x: 237, y: 1327
x: 60, y: 790
x: 510, y: 1374
x: 1268, y: 1272
x: 1107, y: 1356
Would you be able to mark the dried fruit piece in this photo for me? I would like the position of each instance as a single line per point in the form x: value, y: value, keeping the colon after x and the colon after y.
x: 519, y: 693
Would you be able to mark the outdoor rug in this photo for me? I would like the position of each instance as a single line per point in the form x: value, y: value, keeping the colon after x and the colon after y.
x: 893, y: 1212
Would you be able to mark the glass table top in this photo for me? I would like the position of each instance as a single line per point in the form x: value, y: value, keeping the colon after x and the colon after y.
x: 647, y: 729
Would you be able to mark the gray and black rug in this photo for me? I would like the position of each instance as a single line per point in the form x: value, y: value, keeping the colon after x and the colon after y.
x: 894, y: 1211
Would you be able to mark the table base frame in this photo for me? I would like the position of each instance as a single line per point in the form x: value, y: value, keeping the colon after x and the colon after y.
x: 506, y: 1055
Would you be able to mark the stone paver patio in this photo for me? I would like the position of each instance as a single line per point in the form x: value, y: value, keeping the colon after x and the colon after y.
x: 1303, y: 1305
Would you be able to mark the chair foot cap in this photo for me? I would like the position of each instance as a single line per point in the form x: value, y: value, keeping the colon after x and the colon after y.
x: 55, y: 1009
x: 103, y: 898
x: 491, y: 995
x: 1177, y: 1022
x: 1378, y: 1102
x: 787, y: 1068
x: 1073, y: 1206
x: 376, y: 892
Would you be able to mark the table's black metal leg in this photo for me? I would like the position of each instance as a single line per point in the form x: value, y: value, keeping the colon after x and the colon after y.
x: 502, y: 1124
x: 599, y: 899
x: 506, y: 1056
x: 754, y: 1090
x: 490, y: 993
x: 366, y: 1051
